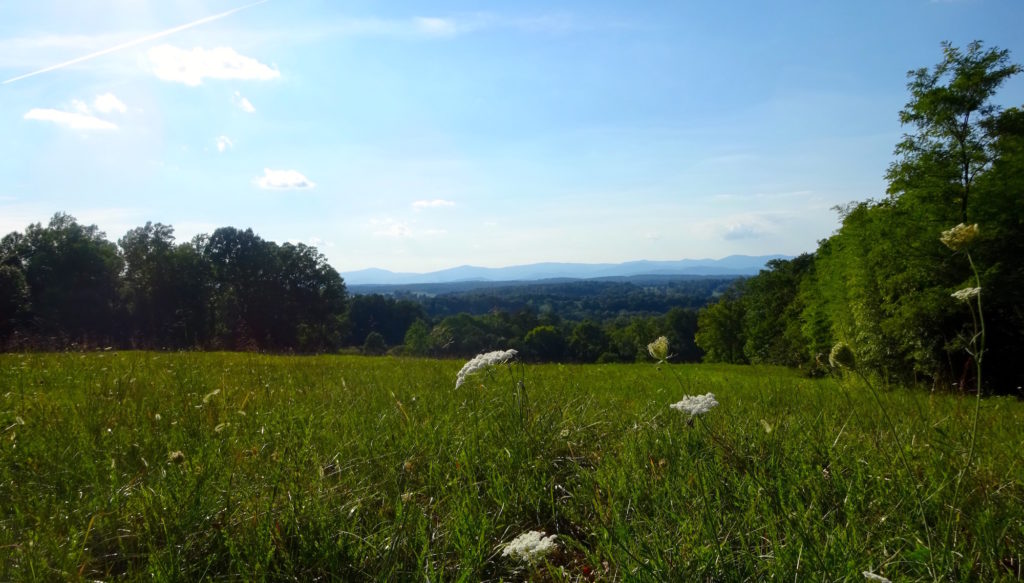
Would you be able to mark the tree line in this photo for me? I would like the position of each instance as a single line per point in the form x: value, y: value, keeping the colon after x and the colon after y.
x: 883, y: 282
x: 64, y: 285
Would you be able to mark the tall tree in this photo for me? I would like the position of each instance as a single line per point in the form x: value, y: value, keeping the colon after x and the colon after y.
x: 949, y: 109
x: 72, y: 272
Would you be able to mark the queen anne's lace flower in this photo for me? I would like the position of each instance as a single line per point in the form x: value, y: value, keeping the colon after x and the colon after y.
x: 842, y: 355
x: 482, y: 361
x: 658, y: 349
x: 530, y: 547
x: 696, y: 404
x: 966, y: 294
x: 959, y: 236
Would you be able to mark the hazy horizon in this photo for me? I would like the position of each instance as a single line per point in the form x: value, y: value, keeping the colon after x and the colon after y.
x: 417, y: 137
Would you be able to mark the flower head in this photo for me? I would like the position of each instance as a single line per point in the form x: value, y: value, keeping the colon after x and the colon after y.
x: 966, y: 294
x: 482, y: 361
x: 842, y: 356
x: 530, y: 546
x: 959, y: 236
x: 696, y: 404
x: 176, y: 457
x: 658, y: 349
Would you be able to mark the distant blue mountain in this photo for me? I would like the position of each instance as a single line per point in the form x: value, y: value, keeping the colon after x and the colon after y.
x: 727, y: 266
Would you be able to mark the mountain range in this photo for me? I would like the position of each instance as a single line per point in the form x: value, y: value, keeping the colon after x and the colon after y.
x: 732, y: 265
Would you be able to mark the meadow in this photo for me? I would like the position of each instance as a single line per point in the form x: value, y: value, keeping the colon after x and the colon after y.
x: 246, y: 467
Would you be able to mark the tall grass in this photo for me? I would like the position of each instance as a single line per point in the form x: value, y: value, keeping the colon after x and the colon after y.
x: 351, y: 468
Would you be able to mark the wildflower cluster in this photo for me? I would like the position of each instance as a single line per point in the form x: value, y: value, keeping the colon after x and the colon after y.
x: 959, y: 236
x: 658, y: 349
x: 696, y: 404
x: 530, y: 547
x: 966, y: 294
x: 482, y: 361
x: 842, y: 356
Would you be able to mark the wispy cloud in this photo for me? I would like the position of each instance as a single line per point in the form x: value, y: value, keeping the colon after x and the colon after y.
x: 133, y: 42
x: 737, y: 231
x: 436, y: 203
x: 190, y: 67
x: 224, y: 143
x: 108, y: 102
x: 283, y: 180
x: 395, y: 229
x: 242, y: 103
x: 69, y: 119
x: 432, y: 26
x: 441, y: 26
x: 391, y: 228
x: 767, y: 196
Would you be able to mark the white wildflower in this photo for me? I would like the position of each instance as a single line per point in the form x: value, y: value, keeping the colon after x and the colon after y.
x: 966, y: 294
x: 842, y: 356
x: 530, y: 546
x: 872, y: 577
x: 658, y: 349
x: 696, y: 404
x: 959, y: 236
x: 482, y: 361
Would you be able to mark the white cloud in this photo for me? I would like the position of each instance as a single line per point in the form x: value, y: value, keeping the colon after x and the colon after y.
x: 190, y: 67
x: 243, y: 103
x: 224, y: 143
x: 75, y: 121
x: 108, y: 103
x: 432, y: 26
x: 737, y: 231
x: 283, y: 180
x: 436, y: 203
x: 80, y: 106
x: 391, y: 228
x: 395, y: 229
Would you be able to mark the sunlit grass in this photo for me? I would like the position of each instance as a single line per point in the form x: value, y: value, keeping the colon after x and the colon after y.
x: 350, y: 468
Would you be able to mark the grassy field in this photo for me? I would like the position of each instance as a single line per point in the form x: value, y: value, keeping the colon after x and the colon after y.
x: 245, y: 467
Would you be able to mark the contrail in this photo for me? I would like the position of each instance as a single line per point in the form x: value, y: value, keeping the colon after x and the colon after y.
x: 132, y: 43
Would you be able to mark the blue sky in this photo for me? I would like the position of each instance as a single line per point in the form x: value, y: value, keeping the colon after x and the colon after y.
x: 416, y: 136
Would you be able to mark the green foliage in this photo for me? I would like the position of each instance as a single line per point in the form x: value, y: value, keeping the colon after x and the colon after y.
x: 720, y: 329
x: 544, y: 343
x: 588, y: 342
x: 417, y: 339
x: 882, y: 283
x: 375, y: 344
x: 772, y: 309
x: 14, y: 300
x: 72, y: 274
x: 951, y: 110
x: 135, y: 466
x: 375, y: 313
x: 229, y: 290
x: 597, y: 300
